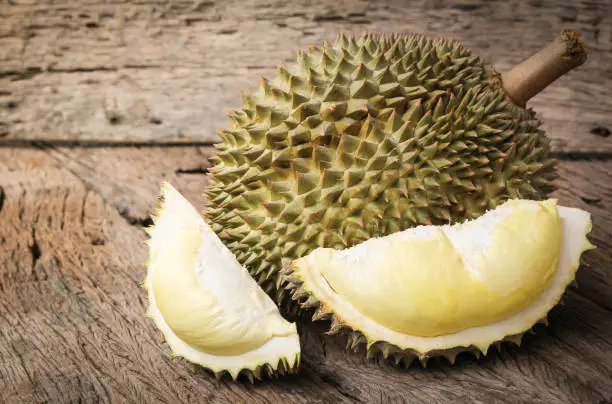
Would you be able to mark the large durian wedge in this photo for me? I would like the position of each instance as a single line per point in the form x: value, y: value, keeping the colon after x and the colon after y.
x: 208, y: 308
x: 439, y: 290
x: 367, y: 136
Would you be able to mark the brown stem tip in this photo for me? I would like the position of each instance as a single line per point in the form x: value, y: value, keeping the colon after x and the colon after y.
x: 531, y: 76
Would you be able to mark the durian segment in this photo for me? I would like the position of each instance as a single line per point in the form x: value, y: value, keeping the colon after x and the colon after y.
x: 433, y: 289
x: 364, y: 137
x: 205, y: 303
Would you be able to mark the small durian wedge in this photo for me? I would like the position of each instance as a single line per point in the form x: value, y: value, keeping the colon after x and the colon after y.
x: 441, y: 290
x: 209, y: 309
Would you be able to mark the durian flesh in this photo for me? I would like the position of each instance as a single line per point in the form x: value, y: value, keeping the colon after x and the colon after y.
x: 434, y: 290
x: 207, y: 306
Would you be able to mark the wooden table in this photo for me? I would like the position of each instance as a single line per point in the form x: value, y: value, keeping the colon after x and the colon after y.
x: 80, y: 82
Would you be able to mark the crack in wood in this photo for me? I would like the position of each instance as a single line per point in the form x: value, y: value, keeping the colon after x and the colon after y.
x: 466, y: 6
x: 135, y: 221
x: 34, y: 248
x: 21, y: 74
x: 328, y: 17
x: 100, y: 143
x: 582, y: 155
x: 2, y: 198
x: 196, y: 170
x: 601, y: 131
x: 30, y: 72
x: 590, y: 201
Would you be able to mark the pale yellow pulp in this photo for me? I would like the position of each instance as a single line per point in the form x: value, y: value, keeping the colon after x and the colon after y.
x: 203, y: 294
x: 439, y: 280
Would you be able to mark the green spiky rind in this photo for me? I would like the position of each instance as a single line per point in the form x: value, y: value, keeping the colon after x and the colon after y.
x: 356, y: 339
x: 365, y: 137
x: 263, y: 372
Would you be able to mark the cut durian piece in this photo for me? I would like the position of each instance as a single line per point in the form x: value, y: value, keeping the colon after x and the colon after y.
x: 208, y: 308
x: 439, y: 290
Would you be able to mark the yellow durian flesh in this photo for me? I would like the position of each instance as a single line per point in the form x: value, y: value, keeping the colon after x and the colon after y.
x: 434, y: 288
x: 205, y: 303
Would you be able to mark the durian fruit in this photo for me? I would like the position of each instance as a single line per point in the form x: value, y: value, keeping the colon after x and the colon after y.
x: 368, y: 136
x: 439, y: 290
x: 208, y: 308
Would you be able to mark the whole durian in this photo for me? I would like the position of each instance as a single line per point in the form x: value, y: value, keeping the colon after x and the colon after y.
x: 369, y: 136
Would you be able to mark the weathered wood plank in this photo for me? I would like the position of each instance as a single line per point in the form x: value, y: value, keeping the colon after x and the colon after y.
x: 587, y: 185
x: 130, y: 188
x: 71, y: 309
x: 156, y: 70
x: 81, y: 294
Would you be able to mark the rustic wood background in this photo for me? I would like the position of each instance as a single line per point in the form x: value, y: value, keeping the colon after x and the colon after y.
x: 168, y: 71
x: 78, y: 77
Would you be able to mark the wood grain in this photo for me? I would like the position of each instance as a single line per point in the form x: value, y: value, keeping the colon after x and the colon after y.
x: 159, y: 70
x: 72, y: 313
x: 130, y: 190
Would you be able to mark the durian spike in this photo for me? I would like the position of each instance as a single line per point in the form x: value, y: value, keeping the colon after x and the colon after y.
x: 534, y: 74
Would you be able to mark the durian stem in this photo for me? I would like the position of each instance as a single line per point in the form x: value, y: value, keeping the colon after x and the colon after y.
x: 531, y: 76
